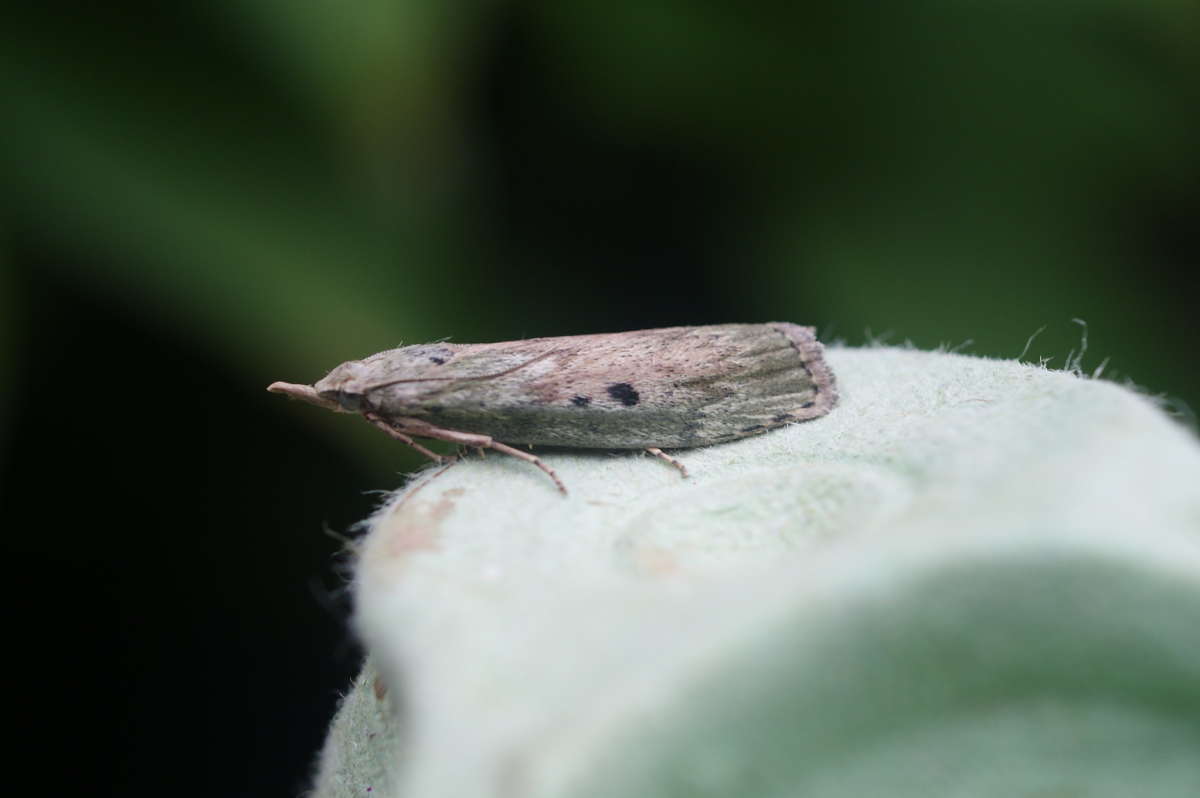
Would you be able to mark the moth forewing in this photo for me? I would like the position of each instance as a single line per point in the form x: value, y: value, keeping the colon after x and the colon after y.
x: 677, y: 387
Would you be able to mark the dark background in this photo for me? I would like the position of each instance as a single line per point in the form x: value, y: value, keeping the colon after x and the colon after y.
x: 199, y: 199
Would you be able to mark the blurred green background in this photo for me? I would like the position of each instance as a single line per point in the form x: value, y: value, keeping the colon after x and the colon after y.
x: 200, y: 198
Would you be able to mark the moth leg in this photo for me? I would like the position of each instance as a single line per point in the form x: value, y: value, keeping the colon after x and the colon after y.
x: 659, y: 453
x: 400, y: 436
x: 483, y: 442
x: 529, y: 458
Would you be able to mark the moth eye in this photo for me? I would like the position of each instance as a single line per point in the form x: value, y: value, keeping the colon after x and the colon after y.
x: 347, y: 399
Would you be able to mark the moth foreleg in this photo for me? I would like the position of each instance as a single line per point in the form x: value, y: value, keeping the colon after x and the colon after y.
x: 400, y: 436
x: 659, y: 453
x: 424, y: 430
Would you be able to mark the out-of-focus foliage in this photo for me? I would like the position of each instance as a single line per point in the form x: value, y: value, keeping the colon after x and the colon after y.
x: 296, y: 183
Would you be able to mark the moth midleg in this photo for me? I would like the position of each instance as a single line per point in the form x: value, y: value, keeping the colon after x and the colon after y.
x: 400, y: 436
x: 657, y: 452
x: 424, y: 430
x: 530, y: 458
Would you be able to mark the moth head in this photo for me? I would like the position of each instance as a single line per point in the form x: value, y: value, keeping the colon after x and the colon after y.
x: 400, y: 375
x: 347, y: 385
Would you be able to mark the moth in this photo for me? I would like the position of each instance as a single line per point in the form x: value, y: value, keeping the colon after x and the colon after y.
x: 670, y: 388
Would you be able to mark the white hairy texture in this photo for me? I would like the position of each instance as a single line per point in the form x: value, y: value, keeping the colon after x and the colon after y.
x: 973, y: 577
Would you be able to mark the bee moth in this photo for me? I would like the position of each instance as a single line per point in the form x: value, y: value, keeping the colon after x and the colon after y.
x: 670, y: 388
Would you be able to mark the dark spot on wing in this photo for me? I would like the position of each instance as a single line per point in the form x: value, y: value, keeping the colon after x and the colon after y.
x: 808, y: 404
x: 755, y: 428
x: 624, y: 393
x: 782, y: 417
x: 438, y: 360
x: 581, y: 401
